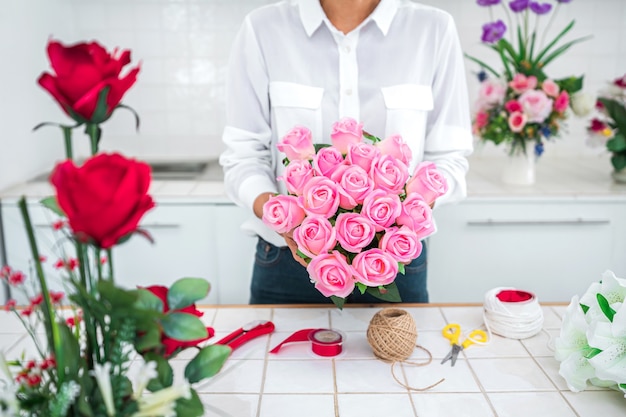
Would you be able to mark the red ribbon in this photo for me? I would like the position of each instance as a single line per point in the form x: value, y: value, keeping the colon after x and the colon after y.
x: 324, y: 342
x: 514, y: 296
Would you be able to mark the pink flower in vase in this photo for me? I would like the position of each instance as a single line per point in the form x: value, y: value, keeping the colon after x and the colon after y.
x: 521, y: 83
x: 550, y: 88
x: 536, y: 104
x: 562, y: 102
x: 512, y: 106
x: 517, y: 121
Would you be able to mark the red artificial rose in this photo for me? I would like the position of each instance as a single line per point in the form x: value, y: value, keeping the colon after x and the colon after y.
x: 82, y: 71
x: 105, y: 198
x: 172, y: 345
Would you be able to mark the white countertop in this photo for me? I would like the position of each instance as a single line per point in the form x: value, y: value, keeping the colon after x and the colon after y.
x: 556, y: 178
x: 506, y: 378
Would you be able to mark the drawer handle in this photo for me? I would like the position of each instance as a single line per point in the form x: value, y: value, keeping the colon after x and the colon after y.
x: 565, y: 222
x: 159, y: 226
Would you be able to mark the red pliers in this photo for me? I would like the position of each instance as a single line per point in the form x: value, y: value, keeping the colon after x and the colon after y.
x: 246, y: 333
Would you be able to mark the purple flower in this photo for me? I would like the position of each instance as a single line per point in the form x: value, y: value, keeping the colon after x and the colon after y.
x: 540, y: 9
x: 493, y: 32
x: 519, y: 5
x: 488, y: 2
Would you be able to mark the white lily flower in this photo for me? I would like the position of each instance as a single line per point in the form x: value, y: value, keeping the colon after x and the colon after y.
x: 162, y: 403
x: 9, y: 407
x: 583, y: 103
x: 102, y: 373
x: 147, y: 372
x: 610, y: 338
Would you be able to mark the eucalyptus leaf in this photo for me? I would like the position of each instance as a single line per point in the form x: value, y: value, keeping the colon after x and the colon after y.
x: 165, y: 374
x: 187, y: 291
x: 618, y: 161
x: 190, y: 407
x: 146, y: 300
x: 617, y: 143
x: 183, y: 327
x: 116, y: 296
x: 207, y: 362
x: 149, y: 339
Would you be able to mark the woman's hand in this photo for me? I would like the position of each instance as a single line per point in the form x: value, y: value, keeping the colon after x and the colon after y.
x: 293, y: 246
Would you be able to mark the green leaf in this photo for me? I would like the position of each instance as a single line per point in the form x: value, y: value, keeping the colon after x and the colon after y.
x: 187, y: 291
x: 137, y: 121
x: 191, y: 407
x: 100, y: 113
x: 401, y: 269
x: 207, y: 362
x: 116, y: 296
x: 361, y: 287
x: 165, y: 374
x: 319, y: 146
x: 616, y: 111
x: 618, y: 161
x: 338, y: 301
x: 570, y: 84
x: 183, y: 327
x: 605, y: 307
x: 522, y: 45
x: 52, y: 204
x: 374, y: 139
x: 483, y: 65
x: 545, y: 50
x: 584, y: 308
x: 617, y: 143
x: 149, y: 339
x: 390, y: 293
x: 561, y: 50
x: 146, y: 300
x: 71, y: 350
x: 592, y: 352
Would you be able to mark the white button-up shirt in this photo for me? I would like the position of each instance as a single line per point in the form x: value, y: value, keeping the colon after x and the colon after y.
x: 400, y: 72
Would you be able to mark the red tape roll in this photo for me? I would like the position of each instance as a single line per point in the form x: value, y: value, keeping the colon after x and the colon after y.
x: 324, y: 342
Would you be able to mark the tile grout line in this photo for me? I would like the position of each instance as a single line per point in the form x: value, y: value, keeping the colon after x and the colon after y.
x: 548, y: 376
x: 334, y: 367
x: 469, y: 365
x: 265, y: 363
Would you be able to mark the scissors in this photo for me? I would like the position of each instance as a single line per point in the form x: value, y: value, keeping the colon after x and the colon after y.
x: 246, y: 333
x: 452, y: 332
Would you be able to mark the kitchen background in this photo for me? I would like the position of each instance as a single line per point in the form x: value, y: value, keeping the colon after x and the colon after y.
x: 183, y: 47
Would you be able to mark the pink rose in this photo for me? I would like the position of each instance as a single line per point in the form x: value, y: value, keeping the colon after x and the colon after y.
x: 395, y: 146
x: 512, y: 106
x: 354, y: 183
x: 381, y: 208
x: 550, y: 88
x: 282, y: 213
x: 491, y: 93
x: 297, y: 173
x: 320, y: 196
x: 374, y: 268
x: 482, y: 118
x: 521, y: 83
x: 389, y: 174
x: 517, y: 121
x: 401, y: 243
x: 427, y: 181
x: 537, y: 106
x: 326, y: 161
x: 354, y: 231
x: 562, y: 102
x: 315, y: 235
x: 345, y: 132
x: 417, y: 215
x: 362, y: 154
x: 332, y: 274
x: 297, y: 144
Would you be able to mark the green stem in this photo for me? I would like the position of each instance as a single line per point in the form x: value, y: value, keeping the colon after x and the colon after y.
x: 67, y: 136
x: 110, y: 261
x: 52, y: 330
x: 94, y: 132
x: 549, y: 25
x: 30, y: 332
x: 92, y: 342
x: 96, y: 251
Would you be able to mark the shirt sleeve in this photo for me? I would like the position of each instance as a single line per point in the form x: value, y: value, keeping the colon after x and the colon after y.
x: 448, y: 132
x: 247, y: 161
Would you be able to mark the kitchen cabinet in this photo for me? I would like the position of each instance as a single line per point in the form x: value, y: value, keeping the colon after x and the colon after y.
x: 553, y: 247
x: 200, y: 239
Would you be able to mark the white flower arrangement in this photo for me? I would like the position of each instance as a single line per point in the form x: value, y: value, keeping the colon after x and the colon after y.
x: 592, y: 343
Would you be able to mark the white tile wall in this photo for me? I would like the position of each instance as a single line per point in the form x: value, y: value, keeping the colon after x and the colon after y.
x: 183, y: 48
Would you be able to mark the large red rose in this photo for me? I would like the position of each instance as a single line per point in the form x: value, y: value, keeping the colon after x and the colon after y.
x: 173, y: 345
x: 81, y: 72
x: 105, y: 198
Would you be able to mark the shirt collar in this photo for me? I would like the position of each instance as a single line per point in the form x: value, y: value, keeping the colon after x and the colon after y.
x: 312, y: 15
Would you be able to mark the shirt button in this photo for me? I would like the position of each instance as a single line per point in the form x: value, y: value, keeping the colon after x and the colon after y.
x: 348, y: 91
x: 347, y: 49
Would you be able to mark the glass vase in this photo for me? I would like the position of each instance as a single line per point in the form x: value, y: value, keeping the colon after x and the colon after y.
x: 519, y: 168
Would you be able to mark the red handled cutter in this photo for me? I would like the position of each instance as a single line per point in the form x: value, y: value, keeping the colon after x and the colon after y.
x: 246, y: 333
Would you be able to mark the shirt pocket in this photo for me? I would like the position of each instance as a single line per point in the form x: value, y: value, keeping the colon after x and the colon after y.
x: 295, y: 104
x: 407, y: 107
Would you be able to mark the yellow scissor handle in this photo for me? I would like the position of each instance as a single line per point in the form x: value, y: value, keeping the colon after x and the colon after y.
x: 452, y: 332
x: 476, y: 336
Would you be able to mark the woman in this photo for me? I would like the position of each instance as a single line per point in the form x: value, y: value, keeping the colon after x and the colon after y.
x: 394, y: 65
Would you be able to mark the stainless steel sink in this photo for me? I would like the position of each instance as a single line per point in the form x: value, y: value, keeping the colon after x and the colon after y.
x: 209, y: 170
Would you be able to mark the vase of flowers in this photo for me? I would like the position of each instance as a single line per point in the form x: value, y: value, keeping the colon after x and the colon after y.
x: 590, y: 347
x: 608, y: 128
x: 520, y: 106
x: 356, y: 212
x: 87, y: 337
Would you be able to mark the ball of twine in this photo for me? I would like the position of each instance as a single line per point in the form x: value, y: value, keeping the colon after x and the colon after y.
x: 392, y: 334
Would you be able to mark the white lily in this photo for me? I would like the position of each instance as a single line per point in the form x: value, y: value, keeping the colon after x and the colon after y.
x: 162, y: 403
x: 147, y: 372
x: 9, y: 406
x: 102, y: 373
x: 610, y: 338
x: 571, y: 347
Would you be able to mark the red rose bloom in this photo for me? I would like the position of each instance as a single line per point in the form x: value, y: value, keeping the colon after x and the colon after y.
x: 172, y: 345
x: 104, y: 199
x: 82, y: 71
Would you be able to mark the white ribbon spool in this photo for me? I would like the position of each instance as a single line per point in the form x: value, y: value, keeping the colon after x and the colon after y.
x: 514, y: 319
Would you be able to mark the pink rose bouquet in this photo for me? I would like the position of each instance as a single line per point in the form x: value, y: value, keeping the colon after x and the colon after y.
x: 357, y: 213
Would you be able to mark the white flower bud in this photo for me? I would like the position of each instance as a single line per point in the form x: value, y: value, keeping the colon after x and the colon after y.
x: 583, y: 103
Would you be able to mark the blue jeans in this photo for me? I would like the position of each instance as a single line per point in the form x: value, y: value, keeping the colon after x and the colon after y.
x: 278, y: 279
